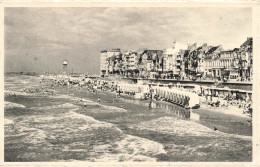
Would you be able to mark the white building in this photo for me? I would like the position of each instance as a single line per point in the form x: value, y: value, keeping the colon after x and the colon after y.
x: 133, y: 61
x: 103, y: 63
x: 105, y: 66
x: 171, y: 60
x: 168, y: 59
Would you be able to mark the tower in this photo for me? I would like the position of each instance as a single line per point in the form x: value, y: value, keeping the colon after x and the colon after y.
x: 65, y: 66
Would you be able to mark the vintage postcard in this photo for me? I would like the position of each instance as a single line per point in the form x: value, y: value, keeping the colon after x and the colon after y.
x: 130, y: 84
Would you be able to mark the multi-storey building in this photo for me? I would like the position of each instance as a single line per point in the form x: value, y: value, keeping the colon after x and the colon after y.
x: 125, y: 62
x: 168, y: 61
x: 183, y: 56
x: 117, y: 59
x: 200, y: 60
x: 246, y: 60
x: 229, y: 62
x: 188, y: 66
x: 159, y: 64
x: 108, y: 60
x: 192, y: 60
x: 103, y: 63
x: 133, y: 60
x: 130, y: 60
x: 212, y: 69
x: 225, y: 65
x: 150, y: 62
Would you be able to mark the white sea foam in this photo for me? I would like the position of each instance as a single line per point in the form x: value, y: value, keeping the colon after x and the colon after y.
x: 176, y: 126
x: 36, y: 137
x: 107, y: 108
x: 12, y: 92
x: 8, y: 122
x: 65, y: 105
x: 90, y: 121
x: 171, y: 125
x: 13, y: 105
x: 131, y: 148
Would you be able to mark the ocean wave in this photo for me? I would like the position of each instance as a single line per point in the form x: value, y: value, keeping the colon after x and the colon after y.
x: 131, y: 148
x: 9, y: 105
x: 59, y: 106
x: 8, y: 122
x: 90, y: 121
x: 20, y: 93
x: 23, y: 134
x: 35, y: 137
x: 172, y: 125
x: 107, y: 108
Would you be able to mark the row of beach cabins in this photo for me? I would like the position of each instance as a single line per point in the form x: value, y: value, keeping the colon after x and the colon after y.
x: 185, y: 95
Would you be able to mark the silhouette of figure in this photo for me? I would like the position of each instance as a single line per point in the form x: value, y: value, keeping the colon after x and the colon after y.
x: 215, y: 128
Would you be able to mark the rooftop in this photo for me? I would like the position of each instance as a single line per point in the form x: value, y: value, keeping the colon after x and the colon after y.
x: 213, y: 49
x: 249, y: 41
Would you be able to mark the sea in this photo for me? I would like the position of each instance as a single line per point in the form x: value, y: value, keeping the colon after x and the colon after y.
x: 76, y: 124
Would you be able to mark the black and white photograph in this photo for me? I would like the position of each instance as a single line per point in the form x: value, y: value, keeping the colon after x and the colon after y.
x: 128, y: 84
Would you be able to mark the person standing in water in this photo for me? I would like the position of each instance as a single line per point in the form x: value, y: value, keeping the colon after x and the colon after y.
x: 119, y: 92
x: 151, y: 96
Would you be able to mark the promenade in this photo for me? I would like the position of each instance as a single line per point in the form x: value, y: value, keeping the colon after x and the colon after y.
x: 243, y: 85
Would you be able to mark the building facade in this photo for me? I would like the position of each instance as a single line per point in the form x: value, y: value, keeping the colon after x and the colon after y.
x: 201, y: 62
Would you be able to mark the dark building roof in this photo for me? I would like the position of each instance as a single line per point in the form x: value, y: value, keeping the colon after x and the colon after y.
x: 236, y: 49
x: 153, y: 51
x: 249, y: 41
x: 211, y: 50
x: 199, y: 48
x: 116, y: 50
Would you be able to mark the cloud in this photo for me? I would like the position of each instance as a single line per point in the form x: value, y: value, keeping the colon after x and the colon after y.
x: 50, y: 35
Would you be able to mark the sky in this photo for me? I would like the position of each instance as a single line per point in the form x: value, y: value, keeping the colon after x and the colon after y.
x: 39, y: 39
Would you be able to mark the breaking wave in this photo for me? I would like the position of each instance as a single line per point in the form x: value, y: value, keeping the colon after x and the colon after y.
x: 9, y: 105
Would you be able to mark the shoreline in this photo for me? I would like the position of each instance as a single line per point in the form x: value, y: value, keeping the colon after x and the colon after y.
x: 144, y: 103
x: 229, y: 110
